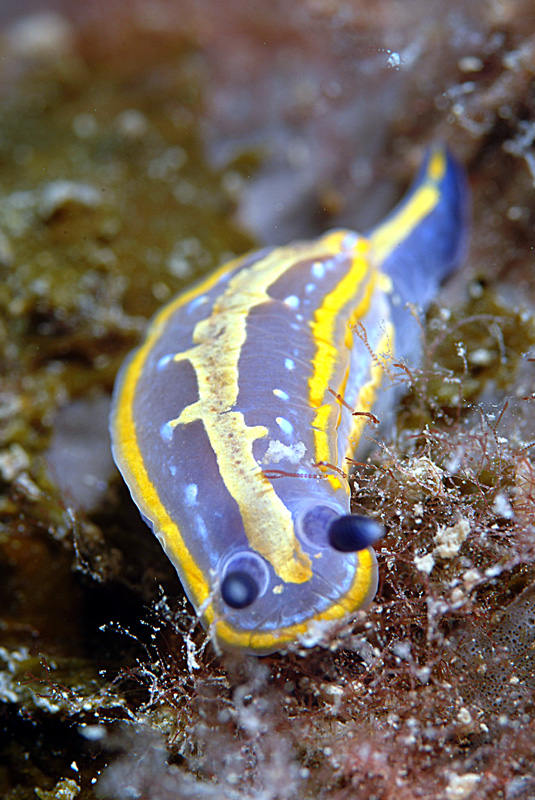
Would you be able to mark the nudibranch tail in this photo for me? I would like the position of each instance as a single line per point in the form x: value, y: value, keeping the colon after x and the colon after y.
x: 424, y: 238
x: 246, y: 385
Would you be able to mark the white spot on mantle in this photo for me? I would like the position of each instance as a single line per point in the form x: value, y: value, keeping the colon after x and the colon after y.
x: 318, y: 270
x: 166, y: 431
x: 285, y: 425
x: 282, y: 395
x: 164, y: 361
x: 292, y: 301
x: 198, y: 301
x: 190, y: 492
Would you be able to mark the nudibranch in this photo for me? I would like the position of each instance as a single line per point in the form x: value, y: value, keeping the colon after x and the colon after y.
x: 243, y: 393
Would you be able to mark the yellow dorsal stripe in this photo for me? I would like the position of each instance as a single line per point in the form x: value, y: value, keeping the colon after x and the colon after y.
x: 268, y: 523
x: 327, y: 356
x: 368, y: 393
x: 385, y: 238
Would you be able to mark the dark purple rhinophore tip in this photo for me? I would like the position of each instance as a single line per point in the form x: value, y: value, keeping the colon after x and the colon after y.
x: 353, y: 532
x: 239, y: 589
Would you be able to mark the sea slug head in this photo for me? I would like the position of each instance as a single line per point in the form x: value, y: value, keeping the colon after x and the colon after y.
x: 256, y: 610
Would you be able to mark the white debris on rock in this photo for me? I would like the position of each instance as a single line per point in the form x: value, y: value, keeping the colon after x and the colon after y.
x: 450, y: 540
x: 132, y: 124
x: 13, y: 461
x: 461, y: 787
x: 47, y: 36
x: 502, y: 507
x: 471, y: 578
x: 425, y: 563
x: 448, y: 543
x: 59, y: 194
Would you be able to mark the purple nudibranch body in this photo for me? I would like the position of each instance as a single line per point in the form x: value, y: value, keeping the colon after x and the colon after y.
x: 235, y: 398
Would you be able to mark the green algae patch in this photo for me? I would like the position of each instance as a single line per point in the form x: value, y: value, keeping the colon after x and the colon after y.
x: 63, y: 687
x: 476, y: 352
x: 64, y: 790
x: 108, y: 208
x: 483, y: 341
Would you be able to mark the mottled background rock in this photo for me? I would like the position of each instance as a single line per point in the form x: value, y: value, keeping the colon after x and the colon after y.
x: 141, y: 144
